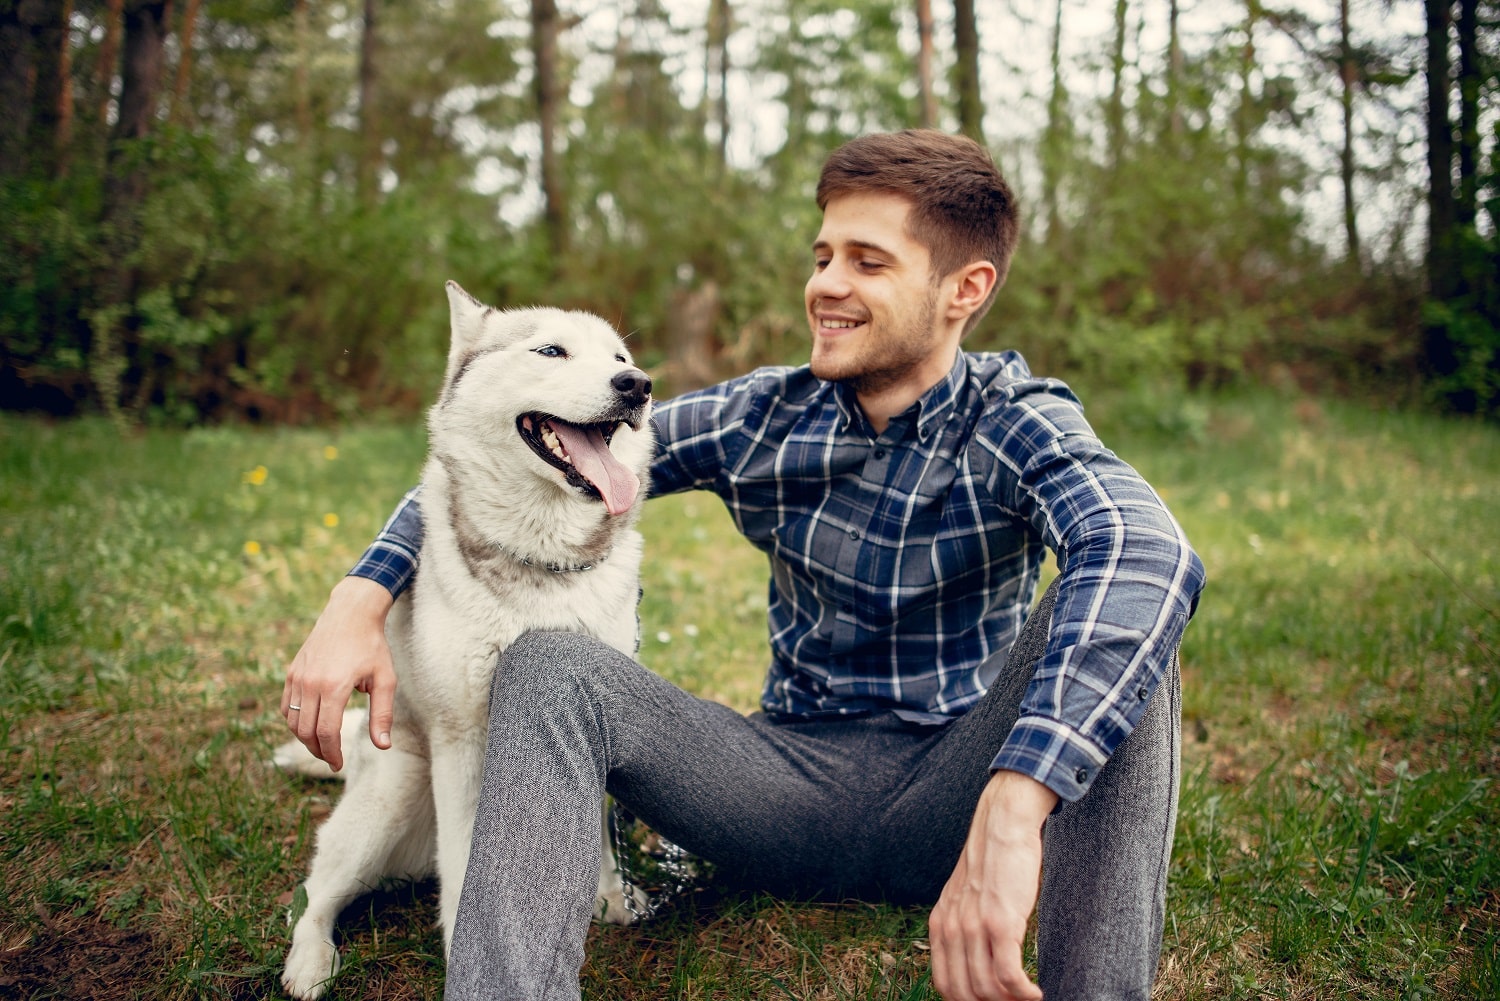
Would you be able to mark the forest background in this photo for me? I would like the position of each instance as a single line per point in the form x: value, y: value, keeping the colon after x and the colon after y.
x: 246, y: 209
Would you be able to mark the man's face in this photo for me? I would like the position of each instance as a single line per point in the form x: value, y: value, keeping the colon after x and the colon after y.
x: 871, y: 302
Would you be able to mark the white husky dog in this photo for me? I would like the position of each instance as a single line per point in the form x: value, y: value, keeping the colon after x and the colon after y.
x: 530, y: 495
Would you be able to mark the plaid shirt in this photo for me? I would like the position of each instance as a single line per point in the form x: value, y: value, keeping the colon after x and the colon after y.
x: 902, y: 561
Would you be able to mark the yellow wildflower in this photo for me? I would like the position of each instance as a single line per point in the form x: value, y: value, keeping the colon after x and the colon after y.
x: 257, y: 476
x: 252, y: 548
x: 330, y: 520
x: 330, y: 452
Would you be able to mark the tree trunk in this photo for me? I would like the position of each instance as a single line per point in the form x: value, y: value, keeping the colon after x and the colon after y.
x: 1245, y: 117
x: 65, y: 94
x: 1174, y: 71
x: 141, y: 72
x: 16, y: 84
x: 109, y: 57
x: 181, y: 108
x: 1348, y: 77
x: 1058, y: 126
x: 544, y: 36
x: 367, y: 178
x: 966, y: 51
x: 1439, y: 352
x: 928, y: 111
x: 34, y: 93
x: 145, y: 24
x: 716, y: 67
x: 1115, y: 114
x: 1470, y: 81
x: 49, y: 100
x: 691, y: 316
x: 301, y: 95
x: 1440, y: 202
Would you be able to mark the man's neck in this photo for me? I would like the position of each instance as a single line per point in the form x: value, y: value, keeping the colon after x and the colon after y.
x: 882, y: 403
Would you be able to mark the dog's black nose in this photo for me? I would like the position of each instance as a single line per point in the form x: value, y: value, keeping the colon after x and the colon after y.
x: 633, y: 384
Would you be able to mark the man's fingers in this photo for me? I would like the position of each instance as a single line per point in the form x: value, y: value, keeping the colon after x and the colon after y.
x: 950, y: 954
x: 980, y: 966
x: 382, y: 709
x: 1009, y: 974
x: 327, y: 731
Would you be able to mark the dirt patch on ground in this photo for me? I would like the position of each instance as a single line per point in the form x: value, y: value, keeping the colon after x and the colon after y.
x: 87, y: 961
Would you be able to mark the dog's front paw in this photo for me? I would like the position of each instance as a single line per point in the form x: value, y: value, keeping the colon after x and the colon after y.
x: 309, y: 968
x: 611, y: 909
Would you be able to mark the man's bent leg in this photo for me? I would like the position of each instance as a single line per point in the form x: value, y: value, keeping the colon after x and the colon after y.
x: 1104, y: 857
x: 1105, y: 862
x: 534, y: 862
x: 571, y: 719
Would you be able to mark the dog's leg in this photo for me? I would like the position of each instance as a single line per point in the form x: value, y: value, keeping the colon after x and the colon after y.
x: 609, y: 901
x: 457, y: 769
x: 381, y: 828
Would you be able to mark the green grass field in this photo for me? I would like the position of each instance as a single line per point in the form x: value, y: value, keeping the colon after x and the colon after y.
x: 1339, y: 834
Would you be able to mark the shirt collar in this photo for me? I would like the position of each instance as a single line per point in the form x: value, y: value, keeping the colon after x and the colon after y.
x: 931, y: 409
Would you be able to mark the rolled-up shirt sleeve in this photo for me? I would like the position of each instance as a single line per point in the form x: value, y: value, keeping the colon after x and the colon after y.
x: 391, y: 560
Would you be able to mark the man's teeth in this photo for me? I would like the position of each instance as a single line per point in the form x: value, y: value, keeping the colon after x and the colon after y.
x: 840, y: 324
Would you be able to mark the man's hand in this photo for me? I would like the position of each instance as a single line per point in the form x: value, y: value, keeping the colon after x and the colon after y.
x: 346, y: 651
x: 979, y: 922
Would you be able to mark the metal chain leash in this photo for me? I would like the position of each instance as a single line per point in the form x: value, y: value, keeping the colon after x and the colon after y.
x: 675, y: 868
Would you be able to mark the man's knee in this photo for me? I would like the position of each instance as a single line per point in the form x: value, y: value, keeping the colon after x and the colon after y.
x: 545, y: 663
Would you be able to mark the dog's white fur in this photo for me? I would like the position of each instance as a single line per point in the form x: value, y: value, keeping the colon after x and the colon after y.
x: 496, y: 514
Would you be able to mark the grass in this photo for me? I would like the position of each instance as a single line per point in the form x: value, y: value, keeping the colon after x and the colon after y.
x: 1339, y: 833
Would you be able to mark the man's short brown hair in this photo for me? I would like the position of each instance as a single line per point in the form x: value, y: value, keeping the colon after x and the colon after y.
x: 962, y: 209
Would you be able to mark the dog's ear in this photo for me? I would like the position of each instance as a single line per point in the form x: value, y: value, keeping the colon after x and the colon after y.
x: 466, y: 316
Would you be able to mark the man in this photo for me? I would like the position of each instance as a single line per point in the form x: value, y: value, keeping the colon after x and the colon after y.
x: 918, y: 729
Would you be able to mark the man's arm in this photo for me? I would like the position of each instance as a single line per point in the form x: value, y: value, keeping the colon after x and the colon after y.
x: 346, y: 651
x: 979, y: 923
x: 1129, y: 583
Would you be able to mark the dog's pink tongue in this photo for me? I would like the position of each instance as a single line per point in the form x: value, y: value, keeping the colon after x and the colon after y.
x: 592, y: 457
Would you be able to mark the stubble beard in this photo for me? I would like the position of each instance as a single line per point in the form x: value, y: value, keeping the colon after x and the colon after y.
x: 882, y: 365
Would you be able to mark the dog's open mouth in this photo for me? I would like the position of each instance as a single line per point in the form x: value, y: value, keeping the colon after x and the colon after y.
x: 582, y: 452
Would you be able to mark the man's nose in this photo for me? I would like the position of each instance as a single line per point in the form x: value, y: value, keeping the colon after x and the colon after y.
x: 829, y: 282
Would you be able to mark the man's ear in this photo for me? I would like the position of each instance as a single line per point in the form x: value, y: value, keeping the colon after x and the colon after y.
x: 971, y: 286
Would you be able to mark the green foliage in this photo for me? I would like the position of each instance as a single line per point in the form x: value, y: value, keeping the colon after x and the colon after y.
x: 258, y: 277
x: 1463, y: 331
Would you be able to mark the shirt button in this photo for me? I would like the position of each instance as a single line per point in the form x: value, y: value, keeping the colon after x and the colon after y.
x: 880, y: 453
x: 846, y: 608
x: 1082, y: 776
x: 1143, y: 694
x: 854, y: 534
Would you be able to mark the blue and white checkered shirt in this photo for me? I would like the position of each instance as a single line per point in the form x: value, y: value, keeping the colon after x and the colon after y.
x: 902, y: 561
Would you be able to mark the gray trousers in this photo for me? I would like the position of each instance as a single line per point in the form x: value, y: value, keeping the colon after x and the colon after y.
x: 872, y: 808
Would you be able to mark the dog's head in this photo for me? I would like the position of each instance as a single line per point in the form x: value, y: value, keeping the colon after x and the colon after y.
x: 559, y: 384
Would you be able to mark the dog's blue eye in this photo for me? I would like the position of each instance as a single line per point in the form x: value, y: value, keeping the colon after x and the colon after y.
x: 550, y: 351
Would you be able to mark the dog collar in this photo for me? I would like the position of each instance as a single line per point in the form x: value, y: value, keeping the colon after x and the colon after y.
x: 557, y: 567
x: 550, y: 567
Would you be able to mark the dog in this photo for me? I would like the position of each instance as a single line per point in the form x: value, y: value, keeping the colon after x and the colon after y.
x: 538, y: 443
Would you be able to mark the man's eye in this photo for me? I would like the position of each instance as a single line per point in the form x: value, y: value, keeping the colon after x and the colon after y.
x: 819, y: 263
x: 550, y: 351
x: 871, y: 265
